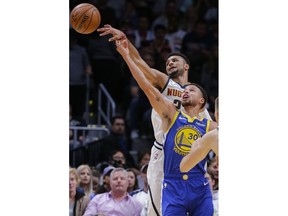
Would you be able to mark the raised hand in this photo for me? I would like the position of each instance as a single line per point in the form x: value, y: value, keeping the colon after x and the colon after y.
x: 108, y: 29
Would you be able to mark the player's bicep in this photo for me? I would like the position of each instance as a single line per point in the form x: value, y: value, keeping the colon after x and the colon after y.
x: 161, y: 105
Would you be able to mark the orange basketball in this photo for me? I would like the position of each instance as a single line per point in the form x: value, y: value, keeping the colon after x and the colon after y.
x: 85, y: 18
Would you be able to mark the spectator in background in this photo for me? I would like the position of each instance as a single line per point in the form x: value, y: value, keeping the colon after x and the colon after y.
x: 196, y: 45
x: 160, y: 40
x: 79, y: 69
x: 142, y: 194
x: 175, y: 33
x: 211, y: 181
x: 213, y: 170
x: 130, y: 13
x: 209, y: 76
x: 143, y: 32
x: 118, y: 6
x: 96, y: 175
x: 169, y: 11
x: 78, y: 201
x: 132, y: 180
x: 116, y: 140
x: 105, y: 187
x: 189, y: 19
x: 85, y: 176
x: 117, y: 201
x: 211, y: 13
x: 117, y: 159
x: 143, y: 158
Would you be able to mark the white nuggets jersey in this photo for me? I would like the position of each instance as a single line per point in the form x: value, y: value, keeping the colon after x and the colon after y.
x: 173, y: 92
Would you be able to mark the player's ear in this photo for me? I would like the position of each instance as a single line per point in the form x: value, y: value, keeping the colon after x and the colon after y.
x: 202, y: 100
x: 186, y: 66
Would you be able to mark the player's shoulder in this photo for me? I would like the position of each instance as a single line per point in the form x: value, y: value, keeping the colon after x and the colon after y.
x: 213, y: 125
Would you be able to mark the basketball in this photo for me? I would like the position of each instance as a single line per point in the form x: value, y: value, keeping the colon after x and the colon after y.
x: 85, y: 18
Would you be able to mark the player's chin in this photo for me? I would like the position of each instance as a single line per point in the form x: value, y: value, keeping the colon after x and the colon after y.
x: 185, y: 103
x: 173, y: 74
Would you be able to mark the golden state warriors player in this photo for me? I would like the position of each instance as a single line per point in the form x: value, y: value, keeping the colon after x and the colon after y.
x: 182, y: 193
x: 177, y: 66
x: 202, y: 146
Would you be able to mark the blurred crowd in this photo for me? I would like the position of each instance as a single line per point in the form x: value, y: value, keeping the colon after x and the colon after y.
x: 156, y: 28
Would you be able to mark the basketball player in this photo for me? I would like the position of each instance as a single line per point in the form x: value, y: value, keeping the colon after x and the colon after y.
x: 179, y: 196
x: 171, y: 86
x: 202, y: 146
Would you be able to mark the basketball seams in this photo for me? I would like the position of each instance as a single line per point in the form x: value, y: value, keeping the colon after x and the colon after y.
x: 87, y: 24
x: 80, y: 18
x: 98, y: 15
x: 91, y: 18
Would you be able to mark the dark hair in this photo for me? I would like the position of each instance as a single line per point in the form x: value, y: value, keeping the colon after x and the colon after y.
x: 117, y: 116
x: 160, y: 27
x: 116, y: 163
x: 141, y: 154
x: 181, y: 55
x: 204, y: 94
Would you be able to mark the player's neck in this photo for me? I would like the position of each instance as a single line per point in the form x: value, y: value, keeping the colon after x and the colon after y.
x: 182, y: 79
x: 192, y: 111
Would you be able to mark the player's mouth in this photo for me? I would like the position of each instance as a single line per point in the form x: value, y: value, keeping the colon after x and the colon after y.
x: 185, y: 96
x: 172, y: 69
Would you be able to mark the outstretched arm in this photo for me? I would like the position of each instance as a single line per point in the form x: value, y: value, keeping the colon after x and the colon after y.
x: 199, y: 150
x: 155, y: 77
x: 162, y: 106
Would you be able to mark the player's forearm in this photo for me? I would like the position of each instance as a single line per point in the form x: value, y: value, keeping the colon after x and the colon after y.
x: 134, y: 54
x: 196, y: 154
x: 153, y: 76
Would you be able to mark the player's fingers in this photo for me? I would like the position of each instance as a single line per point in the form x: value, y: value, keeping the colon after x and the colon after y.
x: 117, y: 42
x: 105, y: 29
x: 104, y: 33
x: 115, y: 38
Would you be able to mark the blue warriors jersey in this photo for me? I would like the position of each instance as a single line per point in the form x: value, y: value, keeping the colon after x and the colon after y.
x: 181, y: 135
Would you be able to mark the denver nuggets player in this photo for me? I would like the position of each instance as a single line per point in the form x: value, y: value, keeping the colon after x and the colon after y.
x: 177, y: 66
x: 179, y: 196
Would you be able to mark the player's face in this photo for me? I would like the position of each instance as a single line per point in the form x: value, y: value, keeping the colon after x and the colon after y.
x: 191, y: 96
x: 175, y: 66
